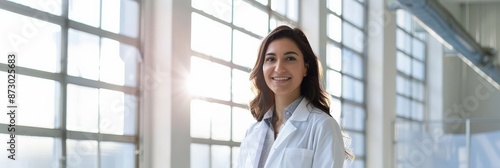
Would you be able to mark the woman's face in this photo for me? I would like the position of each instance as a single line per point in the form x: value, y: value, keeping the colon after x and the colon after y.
x: 284, y: 67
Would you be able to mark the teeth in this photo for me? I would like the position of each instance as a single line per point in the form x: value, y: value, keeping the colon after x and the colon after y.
x: 281, y: 78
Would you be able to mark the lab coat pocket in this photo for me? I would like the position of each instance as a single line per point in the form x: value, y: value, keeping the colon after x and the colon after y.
x: 298, y: 157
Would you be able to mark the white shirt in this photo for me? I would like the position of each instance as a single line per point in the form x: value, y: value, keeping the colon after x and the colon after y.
x: 310, y: 138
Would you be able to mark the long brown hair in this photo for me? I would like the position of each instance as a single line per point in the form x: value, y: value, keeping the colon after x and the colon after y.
x: 310, y: 87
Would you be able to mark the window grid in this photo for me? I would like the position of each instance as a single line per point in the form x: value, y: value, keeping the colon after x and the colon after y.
x: 62, y: 79
x: 358, y: 147
x: 406, y: 26
x: 231, y: 65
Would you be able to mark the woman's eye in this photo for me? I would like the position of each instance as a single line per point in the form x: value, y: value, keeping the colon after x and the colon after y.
x: 290, y: 59
x: 269, y: 59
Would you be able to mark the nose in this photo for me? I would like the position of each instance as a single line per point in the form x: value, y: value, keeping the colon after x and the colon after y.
x: 279, y: 67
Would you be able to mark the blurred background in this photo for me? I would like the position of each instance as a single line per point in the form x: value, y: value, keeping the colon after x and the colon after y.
x: 164, y: 83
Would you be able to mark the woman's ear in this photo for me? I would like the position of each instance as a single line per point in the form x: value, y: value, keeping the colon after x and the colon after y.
x: 306, y: 67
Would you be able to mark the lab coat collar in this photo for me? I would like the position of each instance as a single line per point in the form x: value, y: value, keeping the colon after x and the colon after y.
x: 301, y: 113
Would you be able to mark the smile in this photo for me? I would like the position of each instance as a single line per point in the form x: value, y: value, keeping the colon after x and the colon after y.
x: 281, y: 78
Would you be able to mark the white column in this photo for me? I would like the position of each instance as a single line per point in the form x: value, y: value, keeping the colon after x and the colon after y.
x: 381, y: 86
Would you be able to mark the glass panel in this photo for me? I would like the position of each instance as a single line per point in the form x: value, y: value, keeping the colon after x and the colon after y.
x: 81, y: 153
x: 275, y: 22
x: 352, y: 89
x: 52, y: 6
x: 418, y: 69
x: 37, y: 107
x: 245, y: 49
x: 83, y: 55
x: 200, y: 119
x: 403, y: 63
x: 352, y: 63
x: 404, y: 20
x: 355, y: 13
x: 292, y: 10
x: 356, y: 38
x: 118, y: 63
x: 206, y: 74
x: 221, y: 9
x: 358, y: 143
x: 82, y: 108
x: 333, y: 83
x: 402, y: 85
x: 418, y: 50
x: 30, y: 151
x: 221, y: 156
x: 279, y: 6
x: 210, y: 38
x: 336, y: 109
x: 335, y: 6
x: 36, y: 42
x: 418, y: 90
x: 120, y: 16
x: 111, y: 112
x: 400, y: 39
x: 334, y: 27
x: 117, y: 155
x: 402, y: 106
x: 242, y: 119
x: 241, y: 89
x: 200, y: 155
x: 250, y: 18
x: 263, y: 2
x: 235, y: 153
x: 221, y: 121
x: 353, y: 117
x: 417, y: 111
x: 334, y: 57
x: 86, y: 12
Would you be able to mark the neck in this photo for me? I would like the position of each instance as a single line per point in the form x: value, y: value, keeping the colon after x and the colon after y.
x: 281, y: 102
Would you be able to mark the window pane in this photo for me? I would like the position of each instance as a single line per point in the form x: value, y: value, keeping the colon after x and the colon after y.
x: 355, y: 13
x: 210, y: 37
x: 418, y: 69
x: 417, y: 111
x: 403, y: 63
x: 31, y: 151
x: 82, y: 108
x: 335, y: 6
x: 36, y: 42
x: 52, y: 6
x: 352, y: 63
x: 37, y: 107
x: 279, y: 6
x: 200, y: 155
x: 263, y: 2
x: 418, y: 50
x: 356, y: 37
x: 402, y: 85
x: 336, y: 109
x: 221, y: 121
x: 206, y: 74
x: 235, y: 153
x: 221, y: 9
x: 241, y: 89
x: 358, y: 143
x: 127, y: 23
x: 250, y: 18
x: 114, y: 117
x: 275, y: 22
x: 352, y: 89
x: 353, y: 117
x: 117, y: 155
x: 404, y: 20
x: 242, y: 119
x: 81, y: 153
x: 221, y: 156
x: 402, y: 106
x: 86, y: 12
x: 334, y: 28
x: 292, y: 10
x: 333, y: 57
x: 418, y: 90
x: 245, y: 49
x: 200, y: 119
x: 83, y: 55
x: 333, y: 83
x: 118, y: 63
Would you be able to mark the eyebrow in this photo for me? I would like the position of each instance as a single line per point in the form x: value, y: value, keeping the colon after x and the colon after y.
x: 287, y: 53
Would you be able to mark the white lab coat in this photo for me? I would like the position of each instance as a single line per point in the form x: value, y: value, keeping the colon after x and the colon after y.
x: 309, y: 138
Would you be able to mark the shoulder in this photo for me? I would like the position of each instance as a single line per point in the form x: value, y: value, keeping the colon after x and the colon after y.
x: 324, y: 121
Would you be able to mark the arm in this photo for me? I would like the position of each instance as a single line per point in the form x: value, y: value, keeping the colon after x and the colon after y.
x: 329, y: 145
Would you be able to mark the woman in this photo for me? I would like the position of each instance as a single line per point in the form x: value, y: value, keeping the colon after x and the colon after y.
x: 294, y: 127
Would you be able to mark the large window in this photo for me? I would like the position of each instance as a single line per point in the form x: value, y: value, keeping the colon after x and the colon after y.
x: 345, y: 72
x: 225, y: 36
x: 77, y: 82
